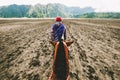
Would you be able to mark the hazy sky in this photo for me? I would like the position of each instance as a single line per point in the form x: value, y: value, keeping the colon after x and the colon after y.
x: 98, y: 5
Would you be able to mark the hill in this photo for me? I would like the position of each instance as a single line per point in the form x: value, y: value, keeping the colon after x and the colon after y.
x: 42, y: 11
x: 101, y: 15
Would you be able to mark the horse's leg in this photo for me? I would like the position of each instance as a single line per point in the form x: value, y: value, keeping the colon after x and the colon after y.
x: 51, y: 76
x: 68, y: 78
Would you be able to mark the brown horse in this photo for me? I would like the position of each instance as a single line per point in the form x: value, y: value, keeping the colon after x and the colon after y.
x: 60, y: 63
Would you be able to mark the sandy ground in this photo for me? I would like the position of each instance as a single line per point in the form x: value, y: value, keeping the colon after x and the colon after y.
x: 26, y: 54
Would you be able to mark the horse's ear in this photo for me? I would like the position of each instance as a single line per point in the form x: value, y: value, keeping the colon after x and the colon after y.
x: 53, y: 43
x: 69, y: 42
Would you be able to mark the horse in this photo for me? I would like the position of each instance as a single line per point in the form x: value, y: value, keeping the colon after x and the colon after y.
x: 60, y: 67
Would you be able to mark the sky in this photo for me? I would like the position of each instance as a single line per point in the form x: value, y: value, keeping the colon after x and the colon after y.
x: 98, y: 5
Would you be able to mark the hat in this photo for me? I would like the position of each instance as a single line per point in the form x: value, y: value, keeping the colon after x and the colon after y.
x: 58, y: 18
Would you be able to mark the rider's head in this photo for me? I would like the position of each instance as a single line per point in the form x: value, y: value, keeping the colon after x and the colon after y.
x: 58, y: 19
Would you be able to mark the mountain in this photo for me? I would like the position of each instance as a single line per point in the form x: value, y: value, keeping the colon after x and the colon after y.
x: 42, y: 11
x: 14, y: 11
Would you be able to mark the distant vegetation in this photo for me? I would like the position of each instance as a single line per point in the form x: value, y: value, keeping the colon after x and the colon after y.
x: 42, y: 11
x: 101, y: 15
x: 51, y: 11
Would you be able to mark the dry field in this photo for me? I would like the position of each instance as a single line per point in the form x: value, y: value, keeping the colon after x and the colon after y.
x: 26, y: 54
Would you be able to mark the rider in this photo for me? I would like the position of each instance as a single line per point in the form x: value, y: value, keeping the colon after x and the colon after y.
x: 58, y: 30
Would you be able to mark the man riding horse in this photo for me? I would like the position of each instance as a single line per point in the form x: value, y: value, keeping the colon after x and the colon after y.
x: 60, y: 68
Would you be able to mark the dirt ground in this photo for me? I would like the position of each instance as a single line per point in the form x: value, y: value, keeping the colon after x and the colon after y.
x: 26, y: 54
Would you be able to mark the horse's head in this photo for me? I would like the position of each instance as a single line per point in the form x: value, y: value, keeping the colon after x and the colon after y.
x: 61, y: 64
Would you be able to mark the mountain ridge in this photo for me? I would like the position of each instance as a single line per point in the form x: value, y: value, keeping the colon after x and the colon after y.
x: 42, y: 11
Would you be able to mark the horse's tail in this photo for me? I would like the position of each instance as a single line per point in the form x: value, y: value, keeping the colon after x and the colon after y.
x: 60, y: 67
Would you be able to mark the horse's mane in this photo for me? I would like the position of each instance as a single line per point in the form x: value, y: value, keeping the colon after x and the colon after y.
x: 60, y: 65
